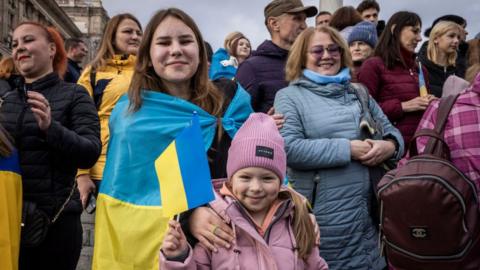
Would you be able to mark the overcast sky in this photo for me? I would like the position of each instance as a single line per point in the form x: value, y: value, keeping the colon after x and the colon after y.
x: 217, y: 18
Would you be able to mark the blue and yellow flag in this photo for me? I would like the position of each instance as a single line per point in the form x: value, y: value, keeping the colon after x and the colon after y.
x: 10, y: 211
x: 183, y: 172
x: 421, y: 81
x: 130, y: 217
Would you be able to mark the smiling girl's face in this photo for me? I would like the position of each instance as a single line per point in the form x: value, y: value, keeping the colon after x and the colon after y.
x: 256, y: 189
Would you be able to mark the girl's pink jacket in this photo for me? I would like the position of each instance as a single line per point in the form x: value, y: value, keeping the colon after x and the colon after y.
x: 275, y: 251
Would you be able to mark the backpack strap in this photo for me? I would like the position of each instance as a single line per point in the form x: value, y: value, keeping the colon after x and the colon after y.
x: 440, y: 147
x: 369, y: 129
x: 98, y: 87
x: 363, y: 97
x: 436, y: 145
x: 445, y: 106
x: 93, y: 77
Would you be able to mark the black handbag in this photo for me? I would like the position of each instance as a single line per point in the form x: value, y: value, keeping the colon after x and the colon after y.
x: 35, y: 222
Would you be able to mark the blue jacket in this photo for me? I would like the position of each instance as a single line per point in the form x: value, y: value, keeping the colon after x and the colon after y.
x: 263, y: 74
x: 222, y: 66
x: 321, y: 120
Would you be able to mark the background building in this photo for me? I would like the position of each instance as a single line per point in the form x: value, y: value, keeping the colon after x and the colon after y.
x: 46, y: 12
x: 90, y: 18
x: 330, y: 5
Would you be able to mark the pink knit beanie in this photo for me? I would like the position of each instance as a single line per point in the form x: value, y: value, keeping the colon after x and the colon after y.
x: 257, y: 144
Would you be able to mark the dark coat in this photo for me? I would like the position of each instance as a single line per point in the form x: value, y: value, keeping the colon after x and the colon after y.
x: 392, y: 87
x: 263, y: 74
x: 73, y: 71
x: 462, y: 60
x: 437, y: 75
x: 49, y: 160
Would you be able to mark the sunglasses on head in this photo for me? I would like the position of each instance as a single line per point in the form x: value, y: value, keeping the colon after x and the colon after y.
x: 332, y: 49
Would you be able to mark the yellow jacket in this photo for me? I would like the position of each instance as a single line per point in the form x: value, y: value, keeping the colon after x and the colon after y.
x: 119, y: 71
x: 10, y: 212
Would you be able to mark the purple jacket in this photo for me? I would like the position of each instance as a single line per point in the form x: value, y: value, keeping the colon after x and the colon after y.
x: 275, y: 251
x: 263, y: 74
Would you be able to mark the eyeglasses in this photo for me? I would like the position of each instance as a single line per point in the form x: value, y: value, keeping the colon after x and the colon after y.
x: 332, y: 49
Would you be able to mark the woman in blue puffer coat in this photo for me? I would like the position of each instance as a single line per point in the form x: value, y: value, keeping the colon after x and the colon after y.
x: 327, y: 158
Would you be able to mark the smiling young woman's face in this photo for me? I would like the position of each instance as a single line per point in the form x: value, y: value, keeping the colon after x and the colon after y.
x: 174, y: 52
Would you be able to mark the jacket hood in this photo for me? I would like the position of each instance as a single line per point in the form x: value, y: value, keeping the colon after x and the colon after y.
x: 122, y: 60
x: 223, y: 65
x: 268, y: 48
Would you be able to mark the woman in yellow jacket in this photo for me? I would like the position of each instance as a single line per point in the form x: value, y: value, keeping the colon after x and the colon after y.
x: 10, y: 204
x: 107, y: 78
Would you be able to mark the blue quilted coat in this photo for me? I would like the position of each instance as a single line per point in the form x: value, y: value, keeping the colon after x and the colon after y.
x: 320, y: 122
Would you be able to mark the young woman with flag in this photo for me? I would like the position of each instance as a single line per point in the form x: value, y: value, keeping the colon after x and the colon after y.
x: 272, y: 225
x: 56, y: 131
x: 393, y: 77
x: 169, y: 84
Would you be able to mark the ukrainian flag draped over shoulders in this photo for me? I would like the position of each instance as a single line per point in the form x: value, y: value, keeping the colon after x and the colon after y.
x: 130, y: 222
x: 10, y: 211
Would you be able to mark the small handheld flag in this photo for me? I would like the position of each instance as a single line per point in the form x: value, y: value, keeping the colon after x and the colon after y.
x: 421, y: 81
x: 183, y: 172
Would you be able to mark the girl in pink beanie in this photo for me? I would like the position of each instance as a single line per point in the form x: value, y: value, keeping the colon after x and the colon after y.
x: 271, y: 223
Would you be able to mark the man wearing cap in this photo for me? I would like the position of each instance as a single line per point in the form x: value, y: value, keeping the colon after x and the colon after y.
x: 262, y: 74
x: 362, y: 42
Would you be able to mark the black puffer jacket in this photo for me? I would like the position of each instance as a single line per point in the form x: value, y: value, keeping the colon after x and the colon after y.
x: 49, y: 160
x: 437, y: 75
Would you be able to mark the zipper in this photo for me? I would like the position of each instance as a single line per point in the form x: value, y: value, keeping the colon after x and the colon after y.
x: 439, y: 257
x: 21, y: 118
x: 469, y: 182
x: 278, y: 217
x: 438, y: 179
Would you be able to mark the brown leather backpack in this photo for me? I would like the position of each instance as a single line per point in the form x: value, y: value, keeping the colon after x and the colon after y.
x: 429, y: 210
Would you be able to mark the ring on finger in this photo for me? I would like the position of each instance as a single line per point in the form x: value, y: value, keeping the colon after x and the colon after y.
x: 214, y: 229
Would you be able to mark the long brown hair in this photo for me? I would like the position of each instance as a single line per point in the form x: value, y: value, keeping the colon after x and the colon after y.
x: 303, y: 227
x: 388, y: 46
x: 59, y: 62
x: 205, y: 94
x: 297, y: 57
x: 107, y: 50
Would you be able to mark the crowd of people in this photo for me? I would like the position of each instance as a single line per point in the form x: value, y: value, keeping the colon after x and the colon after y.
x: 290, y: 111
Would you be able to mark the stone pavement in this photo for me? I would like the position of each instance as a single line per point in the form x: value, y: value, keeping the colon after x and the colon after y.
x: 88, y: 222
